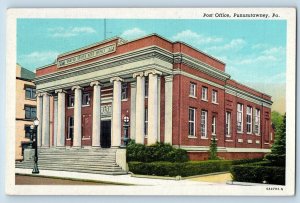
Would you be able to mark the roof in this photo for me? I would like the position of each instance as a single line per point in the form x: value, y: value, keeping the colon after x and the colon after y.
x: 27, y: 74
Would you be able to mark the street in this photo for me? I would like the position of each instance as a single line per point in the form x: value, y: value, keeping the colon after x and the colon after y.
x: 34, y: 180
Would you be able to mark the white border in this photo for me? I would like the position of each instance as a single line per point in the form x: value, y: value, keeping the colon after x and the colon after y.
x: 160, y: 13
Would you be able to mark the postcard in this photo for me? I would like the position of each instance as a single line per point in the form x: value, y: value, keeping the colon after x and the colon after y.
x: 151, y: 101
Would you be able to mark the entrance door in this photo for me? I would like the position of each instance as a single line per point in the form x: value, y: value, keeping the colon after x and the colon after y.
x: 105, y: 137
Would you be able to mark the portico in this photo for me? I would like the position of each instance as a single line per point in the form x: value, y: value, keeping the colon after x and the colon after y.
x: 70, y: 130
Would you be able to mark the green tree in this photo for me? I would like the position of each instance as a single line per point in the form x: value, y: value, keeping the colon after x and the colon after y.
x: 277, y: 119
x: 213, y: 149
x: 278, y: 150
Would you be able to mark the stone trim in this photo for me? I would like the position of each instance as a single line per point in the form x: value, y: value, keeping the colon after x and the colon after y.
x: 223, y: 149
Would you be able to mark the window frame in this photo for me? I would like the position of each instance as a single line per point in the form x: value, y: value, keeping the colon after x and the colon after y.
x: 193, y: 90
x: 257, y: 122
x: 70, y: 127
x: 239, y: 112
x: 69, y: 105
x: 146, y: 122
x: 204, y: 97
x: 192, y: 123
x: 214, y: 125
x: 203, y: 126
x: 88, y: 102
x: 214, y: 99
x: 249, y: 123
x: 31, y: 117
x: 228, y: 124
x: 32, y: 93
x: 25, y: 130
x: 124, y: 92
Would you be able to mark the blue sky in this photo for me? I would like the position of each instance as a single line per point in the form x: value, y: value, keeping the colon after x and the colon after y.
x: 254, y: 50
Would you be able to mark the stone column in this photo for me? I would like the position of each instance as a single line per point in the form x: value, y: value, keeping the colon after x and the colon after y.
x: 39, y: 114
x: 132, y: 109
x: 61, y: 114
x: 168, y: 108
x: 77, y: 116
x: 116, y: 114
x: 158, y: 107
x: 55, y: 124
x: 140, y: 108
x: 46, y: 121
x: 152, y: 106
x: 96, y: 114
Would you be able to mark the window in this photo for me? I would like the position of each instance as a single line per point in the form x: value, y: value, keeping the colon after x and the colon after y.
x: 257, y: 122
x: 146, y: 87
x: 214, y: 96
x: 192, y: 118
x: 146, y: 121
x: 70, y: 100
x: 193, y: 88
x: 204, y: 93
x: 30, y: 112
x: 213, y: 125
x: 86, y: 99
x: 124, y: 94
x: 228, y: 123
x: 27, y: 131
x: 249, y: 119
x: 240, y: 118
x: 30, y: 93
x: 70, y: 127
x: 203, y: 124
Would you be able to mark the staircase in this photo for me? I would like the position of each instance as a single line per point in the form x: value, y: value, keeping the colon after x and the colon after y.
x: 97, y: 161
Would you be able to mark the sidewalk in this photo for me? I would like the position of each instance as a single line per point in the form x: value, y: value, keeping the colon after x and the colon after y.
x: 113, y: 179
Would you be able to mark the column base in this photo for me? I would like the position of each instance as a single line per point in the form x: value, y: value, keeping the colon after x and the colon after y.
x: 96, y: 147
x: 76, y: 147
x: 44, y: 147
x: 115, y: 147
x: 60, y: 147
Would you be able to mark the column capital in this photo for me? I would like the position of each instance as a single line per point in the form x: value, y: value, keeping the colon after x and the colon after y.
x: 76, y: 87
x: 45, y: 94
x: 39, y: 94
x: 116, y: 79
x: 153, y: 72
x: 60, y: 91
x: 96, y: 83
x: 169, y: 78
x: 138, y: 74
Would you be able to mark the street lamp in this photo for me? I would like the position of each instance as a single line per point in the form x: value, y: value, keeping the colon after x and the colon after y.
x: 125, y: 126
x: 34, y: 129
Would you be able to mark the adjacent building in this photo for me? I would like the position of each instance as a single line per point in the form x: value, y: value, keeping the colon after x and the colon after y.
x: 171, y: 91
x: 25, y: 108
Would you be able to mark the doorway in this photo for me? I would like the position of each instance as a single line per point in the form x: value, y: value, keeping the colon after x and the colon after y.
x: 105, y: 137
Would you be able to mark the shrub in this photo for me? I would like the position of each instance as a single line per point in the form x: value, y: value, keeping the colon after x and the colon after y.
x: 258, y: 174
x: 156, y: 152
x: 182, y: 169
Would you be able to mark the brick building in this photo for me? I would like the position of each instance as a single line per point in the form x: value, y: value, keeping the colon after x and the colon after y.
x: 25, y: 108
x: 172, y: 93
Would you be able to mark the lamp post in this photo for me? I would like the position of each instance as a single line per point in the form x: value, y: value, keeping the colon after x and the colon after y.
x: 125, y: 126
x: 34, y: 129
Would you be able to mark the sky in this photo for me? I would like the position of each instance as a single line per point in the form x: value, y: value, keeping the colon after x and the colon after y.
x: 254, y: 51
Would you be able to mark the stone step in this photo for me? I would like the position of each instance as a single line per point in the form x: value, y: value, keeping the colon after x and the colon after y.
x: 79, y: 166
x: 71, y: 163
x: 110, y: 172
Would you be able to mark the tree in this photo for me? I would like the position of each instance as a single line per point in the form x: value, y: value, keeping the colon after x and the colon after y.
x: 276, y: 119
x: 278, y: 150
x: 213, y: 149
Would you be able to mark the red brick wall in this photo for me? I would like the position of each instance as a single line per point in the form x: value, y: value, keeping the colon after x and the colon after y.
x: 200, y: 156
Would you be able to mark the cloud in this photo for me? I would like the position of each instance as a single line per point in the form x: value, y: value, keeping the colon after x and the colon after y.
x: 264, y: 57
x: 133, y: 33
x: 37, y: 59
x: 233, y: 45
x: 194, y: 38
x: 62, y: 32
